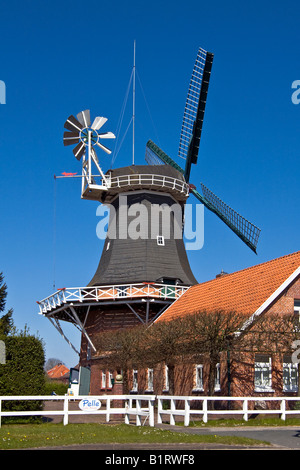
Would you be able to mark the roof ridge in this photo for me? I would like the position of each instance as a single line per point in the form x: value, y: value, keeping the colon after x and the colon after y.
x: 248, y: 268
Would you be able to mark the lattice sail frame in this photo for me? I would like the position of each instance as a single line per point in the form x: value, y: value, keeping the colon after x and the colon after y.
x: 244, y: 229
x: 191, y: 106
x: 249, y: 230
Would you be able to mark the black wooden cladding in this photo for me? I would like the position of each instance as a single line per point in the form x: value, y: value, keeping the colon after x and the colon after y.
x: 127, y: 261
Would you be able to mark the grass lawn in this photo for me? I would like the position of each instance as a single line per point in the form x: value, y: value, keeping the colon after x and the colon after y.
x: 261, y: 421
x: 22, y: 436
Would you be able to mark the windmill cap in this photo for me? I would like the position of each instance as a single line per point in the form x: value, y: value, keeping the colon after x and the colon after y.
x: 164, y: 170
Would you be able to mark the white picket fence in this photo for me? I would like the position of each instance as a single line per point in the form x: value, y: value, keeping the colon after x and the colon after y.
x: 142, y: 407
x: 132, y: 406
x: 167, y: 407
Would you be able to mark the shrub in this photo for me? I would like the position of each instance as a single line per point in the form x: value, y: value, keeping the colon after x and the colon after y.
x: 59, y: 388
x: 23, y: 372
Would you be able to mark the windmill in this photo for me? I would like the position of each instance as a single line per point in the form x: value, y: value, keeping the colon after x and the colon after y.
x: 189, y: 147
x: 137, y: 278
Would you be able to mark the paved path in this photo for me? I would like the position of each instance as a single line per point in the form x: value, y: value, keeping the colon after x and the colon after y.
x: 283, y: 437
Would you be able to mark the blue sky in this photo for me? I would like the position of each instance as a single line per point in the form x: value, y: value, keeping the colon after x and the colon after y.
x: 58, y: 58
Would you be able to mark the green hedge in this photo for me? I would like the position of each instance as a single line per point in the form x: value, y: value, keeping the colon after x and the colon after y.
x: 55, y: 386
x: 23, y: 372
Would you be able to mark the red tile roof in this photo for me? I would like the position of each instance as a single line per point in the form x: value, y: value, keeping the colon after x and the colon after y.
x: 58, y: 371
x: 242, y: 291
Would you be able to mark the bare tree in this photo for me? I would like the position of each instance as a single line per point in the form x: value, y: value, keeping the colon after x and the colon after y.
x: 268, y: 333
x: 120, y: 350
x: 166, y: 342
x: 211, y: 334
x: 52, y: 362
x: 204, y: 334
x: 271, y: 334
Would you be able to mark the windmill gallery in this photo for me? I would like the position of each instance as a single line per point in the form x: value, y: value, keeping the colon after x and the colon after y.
x: 144, y: 275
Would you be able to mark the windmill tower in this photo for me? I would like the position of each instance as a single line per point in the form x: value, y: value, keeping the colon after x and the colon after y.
x: 144, y: 266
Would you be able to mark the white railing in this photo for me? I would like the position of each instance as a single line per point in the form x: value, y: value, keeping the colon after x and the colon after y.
x: 111, y: 292
x: 93, y: 187
x: 132, y: 406
x: 160, y: 181
x: 186, y: 411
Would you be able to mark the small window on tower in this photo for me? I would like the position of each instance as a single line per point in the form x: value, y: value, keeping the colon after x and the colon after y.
x: 122, y: 291
x: 160, y: 240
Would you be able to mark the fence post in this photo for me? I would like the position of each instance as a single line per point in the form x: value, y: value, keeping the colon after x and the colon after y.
x: 172, y: 408
x: 159, y: 410
x: 187, y: 407
x: 245, y: 409
x: 151, y: 412
x: 126, y: 419
x: 0, y: 411
x: 66, y: 407
x: 282, y: 409
x: 107, y: 410
x: 205, y: 410
x: 138, y: 416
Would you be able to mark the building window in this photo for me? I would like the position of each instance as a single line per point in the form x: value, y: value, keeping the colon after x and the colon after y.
x: 297, y: 314
x: 297, y: 306
x: 150, y: 380
x: 103, y: 379
x: 135, y: 381
x: 263, y: 373
x: 290, y: 375
x: 110, y: 379
x: 160, y: 240
x: 217, y: 378
x: 166, y: 379
x: 88, y: 352
x: 122, y: 291
x: 198, y: 379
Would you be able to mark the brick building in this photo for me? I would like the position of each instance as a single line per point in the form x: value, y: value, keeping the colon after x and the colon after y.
x: 59, y: 372
x: 259, y: 291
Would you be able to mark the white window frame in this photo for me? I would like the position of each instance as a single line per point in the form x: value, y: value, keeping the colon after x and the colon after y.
x: 263, y: 374
x: 198, y: 379
x: 110, y: 379
x: 160, y: 240
x: 134, y: 380
x: 150, y: 377
x: 297, y: 314
x: 217, y: 378
x: 103, y: 379
x: 122, y: 291
x: 166, y: 379
x: 290, y: 376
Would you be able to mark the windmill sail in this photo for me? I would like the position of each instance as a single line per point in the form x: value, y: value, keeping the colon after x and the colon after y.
x: 156, y: 156
x: 244, y: 229
x: 194, y: 110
